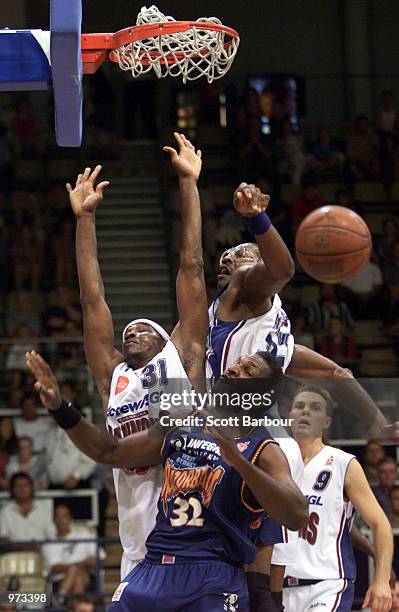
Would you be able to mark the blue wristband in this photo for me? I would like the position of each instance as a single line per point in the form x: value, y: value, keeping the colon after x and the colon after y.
x: 258, y: 224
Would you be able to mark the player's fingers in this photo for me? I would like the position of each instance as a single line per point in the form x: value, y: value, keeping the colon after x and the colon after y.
x: 366, y: 600
x: 242, y: 185
x: 101, y: 186
x: 68, y: 187
x: 86, y: 174
x: 95, y: 173
x: 172, y: 152
x: 199, y: 153
x: 179, y: 140
x: 78, y: 180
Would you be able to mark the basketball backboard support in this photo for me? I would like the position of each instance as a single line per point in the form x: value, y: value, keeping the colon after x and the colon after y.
x: 37, y: 60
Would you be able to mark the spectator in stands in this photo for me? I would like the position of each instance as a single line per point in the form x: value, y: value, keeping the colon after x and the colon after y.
x: 31, y: 425
x: 301, y: 333
x: 25, y: 518
x: 304, y: 204
x: 339, y: 346
x: 387, y: 472
x: 25, y: 129
x: 255, y: 156
x: 21, y: 311
x: 75, y: 469
x: 393, y: 516
x: 80, y: 603
x: 24, y: 461
x: 387, y: 117
x: 27, y: 257
x: 15, y: 360
x: 372, y: 454
x: 329, y: 305
x: 8, y: 446
x: 364, y: 291
x: 385, y: 123
x: 291, y: 154
x: 390, y: 235
x: 326, y: 156
x: 362, y: 151
x: 71, y: 564
x: 63, y: 310
x: 63, y: 247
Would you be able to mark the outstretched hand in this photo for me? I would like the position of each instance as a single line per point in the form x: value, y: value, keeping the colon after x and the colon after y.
x: 248, y: 200
x: 187, y: 162
x: 46, y: 383
x: 84, y: 197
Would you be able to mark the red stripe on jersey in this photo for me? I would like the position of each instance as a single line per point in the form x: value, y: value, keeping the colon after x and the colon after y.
x: 339, y: 537
x: 338, y: 597
x: 227, y: 345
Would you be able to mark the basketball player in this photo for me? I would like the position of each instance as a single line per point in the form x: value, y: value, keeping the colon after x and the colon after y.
x: 247, y: 316
x: 213, y: 493
x: 129, y: 382
x: 334, y: 484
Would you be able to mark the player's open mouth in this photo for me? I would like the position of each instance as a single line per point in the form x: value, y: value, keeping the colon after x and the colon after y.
x: 304, y: 422
x: 224, y: 271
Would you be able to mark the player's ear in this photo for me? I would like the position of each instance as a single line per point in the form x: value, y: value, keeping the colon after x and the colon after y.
x: 328, y: 423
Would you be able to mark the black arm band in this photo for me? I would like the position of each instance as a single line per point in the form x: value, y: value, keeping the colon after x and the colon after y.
x: 67, y: 416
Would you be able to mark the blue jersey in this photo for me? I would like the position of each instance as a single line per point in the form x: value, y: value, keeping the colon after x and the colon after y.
x: 205, y: 510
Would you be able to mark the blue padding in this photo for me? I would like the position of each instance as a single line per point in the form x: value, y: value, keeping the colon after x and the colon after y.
x: 66, y: 64
x: 22, y: 60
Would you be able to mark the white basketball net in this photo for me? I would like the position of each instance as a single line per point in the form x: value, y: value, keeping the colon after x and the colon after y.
x: 192, y: 54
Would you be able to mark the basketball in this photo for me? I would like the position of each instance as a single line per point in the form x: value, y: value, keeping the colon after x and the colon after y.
x: 333, y: 244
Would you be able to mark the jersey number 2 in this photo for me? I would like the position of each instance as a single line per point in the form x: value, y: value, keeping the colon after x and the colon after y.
x: 181, y: 510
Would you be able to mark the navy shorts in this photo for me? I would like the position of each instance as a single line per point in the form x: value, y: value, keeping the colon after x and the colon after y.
x: 200, y: 586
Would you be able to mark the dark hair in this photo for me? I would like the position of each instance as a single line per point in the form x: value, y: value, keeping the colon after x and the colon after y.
x: 389, y: 220
x: 16, y: 477
x: 63, y: 505
x: 387, y: 92
x: 75, y: 600
x: 387, y: 460
x: 322, y: 391
x: 393, y: 490
x: 361, y: 118
x: 275, y: 369
x: 27, y: 396
x: 26, y: 438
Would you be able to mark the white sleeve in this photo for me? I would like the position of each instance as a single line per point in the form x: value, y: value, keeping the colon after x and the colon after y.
x: 5, y: 524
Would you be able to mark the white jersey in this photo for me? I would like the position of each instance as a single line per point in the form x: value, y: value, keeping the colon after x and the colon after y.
x: 324, y: 550
x: 285, y: 553
x: 133, y: 401
x: 227, y: 342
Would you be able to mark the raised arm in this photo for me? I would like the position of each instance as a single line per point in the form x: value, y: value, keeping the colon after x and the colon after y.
x: 271, y: 483
x: 277, y: 267
x: 357, y: 489
x: 190, y: 333
x: 98, y: 328
x: 142, y: 449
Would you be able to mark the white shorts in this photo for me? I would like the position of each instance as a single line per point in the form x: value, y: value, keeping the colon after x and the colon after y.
x: 326, y: 595
x: 127, y: 565
x: 285, y: 553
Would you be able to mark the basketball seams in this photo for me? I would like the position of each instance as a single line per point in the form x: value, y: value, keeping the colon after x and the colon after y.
x: 334, y: 255
x: 317, y: 228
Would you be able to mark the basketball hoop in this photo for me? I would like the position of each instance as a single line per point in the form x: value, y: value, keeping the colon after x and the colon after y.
x: 192, y: 49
